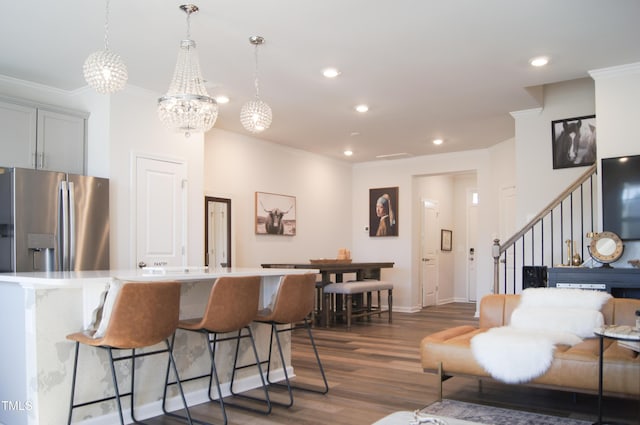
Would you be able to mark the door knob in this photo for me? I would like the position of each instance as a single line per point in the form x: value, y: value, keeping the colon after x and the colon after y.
x: 142, y: 264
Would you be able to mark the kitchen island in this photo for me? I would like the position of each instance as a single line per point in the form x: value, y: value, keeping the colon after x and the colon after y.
x: 36, y: 359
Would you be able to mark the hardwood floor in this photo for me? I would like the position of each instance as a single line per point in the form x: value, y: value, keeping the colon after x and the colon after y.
x: 374, y: 370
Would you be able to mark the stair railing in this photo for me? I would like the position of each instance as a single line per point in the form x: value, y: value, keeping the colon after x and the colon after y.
x: 556, y: 236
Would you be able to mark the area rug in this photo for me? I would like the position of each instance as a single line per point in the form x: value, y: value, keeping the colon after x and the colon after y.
x: 495, y: 415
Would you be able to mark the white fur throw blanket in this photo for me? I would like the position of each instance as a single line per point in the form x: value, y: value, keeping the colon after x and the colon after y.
x: 545, y: 317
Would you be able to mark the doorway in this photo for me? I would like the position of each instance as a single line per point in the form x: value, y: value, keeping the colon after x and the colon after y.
x: 446, y: 202
x: 217, y: 230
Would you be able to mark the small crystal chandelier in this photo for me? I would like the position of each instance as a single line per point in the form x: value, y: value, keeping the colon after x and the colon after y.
x: 187, y: 106
x: 104, y: 70
x: 255, y: 115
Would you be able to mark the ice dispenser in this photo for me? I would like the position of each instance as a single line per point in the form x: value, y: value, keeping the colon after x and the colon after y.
x: 41, y: 248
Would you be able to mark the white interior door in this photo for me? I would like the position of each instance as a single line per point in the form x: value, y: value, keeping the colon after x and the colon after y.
x: 160, y: 213
x: 472, y: 231
x: 429, y: 259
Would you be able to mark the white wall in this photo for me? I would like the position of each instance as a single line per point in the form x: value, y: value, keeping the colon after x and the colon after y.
x: 136, y: 129
x: 612, y: 97
x: 617, y: 112
x: 120, y: 125
x: 332, y: 196
x: 238, y: 165
x: 404, y: 250
x: 535, y: 175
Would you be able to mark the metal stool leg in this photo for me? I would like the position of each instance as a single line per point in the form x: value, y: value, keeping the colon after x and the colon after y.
x: 115, y: 385
x: 73, y: 382
x: 258, y: 364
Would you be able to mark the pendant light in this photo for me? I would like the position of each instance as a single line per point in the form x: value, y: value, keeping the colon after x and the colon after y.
x: 187, y: 107
x: 255, y: 115
x: 104, y: 70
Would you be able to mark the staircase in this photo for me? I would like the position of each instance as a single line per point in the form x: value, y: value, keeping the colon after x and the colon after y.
x: 554, y: 237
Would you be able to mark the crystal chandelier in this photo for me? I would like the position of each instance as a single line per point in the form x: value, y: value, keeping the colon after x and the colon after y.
x: 104, y: 70
x: 255, y: 115
x: 187, y: 106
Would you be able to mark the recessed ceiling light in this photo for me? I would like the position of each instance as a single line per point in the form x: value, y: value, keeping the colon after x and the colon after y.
x: 362, y: 108
x: 348, y: 153
x: 438, y: 142
x: 539, y: 61
x: 222, y: 99
x: 330, y: 72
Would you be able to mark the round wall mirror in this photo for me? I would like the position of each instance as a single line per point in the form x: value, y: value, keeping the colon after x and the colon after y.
x: 606, y: 247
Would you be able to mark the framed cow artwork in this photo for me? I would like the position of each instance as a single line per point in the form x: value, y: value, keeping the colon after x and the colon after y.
x: 574, y: 142
x: 275, y: 214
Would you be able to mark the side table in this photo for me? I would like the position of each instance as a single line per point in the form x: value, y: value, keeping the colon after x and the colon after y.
x: 617, y: 332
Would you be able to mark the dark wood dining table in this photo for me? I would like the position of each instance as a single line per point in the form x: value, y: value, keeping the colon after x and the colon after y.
x: 338, y: 269
x: 363, y: 271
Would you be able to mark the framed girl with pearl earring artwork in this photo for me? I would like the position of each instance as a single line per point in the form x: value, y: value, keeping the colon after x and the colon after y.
x: 383, y: 211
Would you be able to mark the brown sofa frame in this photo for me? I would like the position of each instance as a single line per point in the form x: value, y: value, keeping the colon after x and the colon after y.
x: 448, y: 353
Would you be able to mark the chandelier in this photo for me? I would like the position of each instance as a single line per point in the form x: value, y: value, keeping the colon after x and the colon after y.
x: 187, y: 106
x: 255, y: 115
x: 104, y: 70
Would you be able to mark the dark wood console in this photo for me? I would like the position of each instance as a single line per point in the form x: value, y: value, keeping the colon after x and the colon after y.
x: 621, y: 283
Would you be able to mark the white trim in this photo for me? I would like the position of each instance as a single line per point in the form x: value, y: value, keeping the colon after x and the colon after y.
x: 32, y: 85
x: 526, y: 112
x: 615, y: 71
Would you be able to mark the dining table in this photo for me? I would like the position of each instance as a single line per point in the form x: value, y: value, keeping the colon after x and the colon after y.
x: 337, y: 269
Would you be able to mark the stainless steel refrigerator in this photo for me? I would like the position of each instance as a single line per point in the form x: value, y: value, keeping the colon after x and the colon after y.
x: 51, y: 221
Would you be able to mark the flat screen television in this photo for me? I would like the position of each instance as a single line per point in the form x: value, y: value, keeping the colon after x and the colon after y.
x: 621, y: 196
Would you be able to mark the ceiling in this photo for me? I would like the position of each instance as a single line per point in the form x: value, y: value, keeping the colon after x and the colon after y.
x: 449, y: 69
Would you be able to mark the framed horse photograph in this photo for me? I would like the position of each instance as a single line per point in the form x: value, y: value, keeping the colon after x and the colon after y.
x: 574, y: 142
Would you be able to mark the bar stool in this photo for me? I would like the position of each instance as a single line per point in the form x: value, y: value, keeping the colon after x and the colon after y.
x: 294, y: 302
x: 144, y: 314
x: 231, y: 308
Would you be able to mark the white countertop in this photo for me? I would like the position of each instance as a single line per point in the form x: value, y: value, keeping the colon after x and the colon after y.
x: 193, y: 273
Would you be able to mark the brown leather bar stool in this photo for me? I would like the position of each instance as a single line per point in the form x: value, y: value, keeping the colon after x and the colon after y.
x: 294, y: 302
x: 231, y: 308
x: 144, y: 314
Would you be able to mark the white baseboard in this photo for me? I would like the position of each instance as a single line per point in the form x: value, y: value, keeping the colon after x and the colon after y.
x: 193, y: 398
x: 413, y: 309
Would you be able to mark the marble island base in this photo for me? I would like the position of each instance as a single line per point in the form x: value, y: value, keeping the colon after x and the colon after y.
x: 36, y: 359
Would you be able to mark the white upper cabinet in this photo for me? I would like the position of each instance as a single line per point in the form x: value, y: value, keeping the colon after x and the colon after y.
x: 17, y: 135
x: 42, y: 137
x: 60, y: 142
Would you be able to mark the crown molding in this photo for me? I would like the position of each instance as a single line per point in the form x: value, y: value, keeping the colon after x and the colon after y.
x: 615, y: 71
x: 526, y: 112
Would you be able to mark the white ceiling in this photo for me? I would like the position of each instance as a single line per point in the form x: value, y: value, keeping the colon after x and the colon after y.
x: 450, y: 69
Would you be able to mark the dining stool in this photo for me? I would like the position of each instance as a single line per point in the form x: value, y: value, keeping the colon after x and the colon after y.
x: 231, y: 308
x: 143, y: 314
x: 294, y: 301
